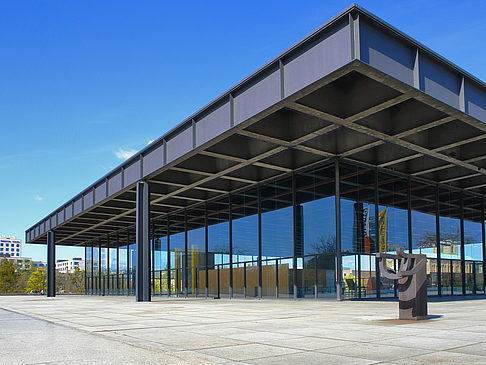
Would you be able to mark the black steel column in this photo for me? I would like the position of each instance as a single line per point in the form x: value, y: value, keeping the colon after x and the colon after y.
x: 260, y: 276
x: 152, y: 255
x: 437, y: 241
x: 483, y: 217
x: 108, y: 264
x: 409, y: 216
x: 295, y: 224
x: 85, y: 270
x: 169, y: 271
x: 206, y: 248
x: 276, y: 278
x: 451, y: 268
x: 337, y: 201
x: 377, y: 213
x: 244, y: 279
x: 143, y: 243
x: 100, y: 272
x: 474, y: 277
x: 463, y: 262
x: 92, y: 275
x: 117, y: 264
x: 51, y: 264
x: 129, y: 264
x: 230, y: 233
x: 186, y: 254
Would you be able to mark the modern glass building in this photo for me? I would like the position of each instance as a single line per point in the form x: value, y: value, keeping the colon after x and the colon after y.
x: 356, y: 140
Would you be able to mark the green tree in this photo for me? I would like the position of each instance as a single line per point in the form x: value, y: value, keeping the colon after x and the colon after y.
x: 25, y: 271
x: 37, y: 281
x: 8, y: 276
x: 77, y: 280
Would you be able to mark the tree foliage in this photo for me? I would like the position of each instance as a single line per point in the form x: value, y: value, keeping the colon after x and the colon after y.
x: 324, y: 244
x: 77, y: 280
x: 37, y: 281
x: 8, y: 277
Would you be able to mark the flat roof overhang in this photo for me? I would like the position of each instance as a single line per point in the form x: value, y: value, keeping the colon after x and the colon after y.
x: 357, y: 113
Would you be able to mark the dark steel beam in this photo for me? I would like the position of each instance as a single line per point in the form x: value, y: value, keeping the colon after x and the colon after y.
x: 438, y: 149
x: 475, y: 186
x: 350, y: 123
x: 424, y: 127
x: 457, y: 178
x: 296, y: 143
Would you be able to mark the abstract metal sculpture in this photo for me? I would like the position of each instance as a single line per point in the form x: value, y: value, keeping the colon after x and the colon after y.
x: 412, y: 282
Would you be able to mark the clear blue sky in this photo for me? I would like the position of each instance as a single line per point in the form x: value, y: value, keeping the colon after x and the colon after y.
x: 83, y: 83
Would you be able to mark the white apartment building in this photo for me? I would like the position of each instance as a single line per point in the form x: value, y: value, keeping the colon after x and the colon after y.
x: 66, y: 266
x: 11, y: 245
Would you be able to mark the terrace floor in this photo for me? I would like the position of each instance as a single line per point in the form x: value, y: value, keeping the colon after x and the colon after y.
x: 116, y: 330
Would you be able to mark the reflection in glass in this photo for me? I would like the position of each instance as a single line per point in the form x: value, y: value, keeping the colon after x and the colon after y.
x: 218, y: 248
x: 112, y: 266
x: 123, y: 269
x: 89, y: 271
x: 96, y: 269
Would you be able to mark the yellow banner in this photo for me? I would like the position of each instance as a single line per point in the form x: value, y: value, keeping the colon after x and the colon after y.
x: 382, y: 231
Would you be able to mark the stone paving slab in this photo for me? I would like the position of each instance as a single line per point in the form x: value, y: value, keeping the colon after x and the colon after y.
x: 118, y: 330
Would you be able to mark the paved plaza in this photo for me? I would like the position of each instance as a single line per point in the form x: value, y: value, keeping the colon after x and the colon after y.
x: 117, y: 330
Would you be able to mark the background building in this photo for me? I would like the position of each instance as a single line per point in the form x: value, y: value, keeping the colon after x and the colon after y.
x: 11, y: 245
x: 69, y: 266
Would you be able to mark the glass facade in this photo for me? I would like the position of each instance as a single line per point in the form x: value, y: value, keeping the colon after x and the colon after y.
x: 279, y: 239
x: 244, y: 229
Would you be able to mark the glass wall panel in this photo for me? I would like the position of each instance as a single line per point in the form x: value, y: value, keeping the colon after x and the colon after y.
x: 393, y: 198
x: 358, y: 233
x: 457, y: 277
x: 315, y: 191
x: 132, y: 262
x: 196, y: 247
x: 450, y: 234
x: 245, y: 243
x: 218, y: 247
x: 112, y: 267
x: 177, y: 254
x: 277, y: 238
x: 104, y: 269
x: 423, y: 199
x: 479, y: 278
x: 350, y: 276
x: 89, y: 271
x: 450, y: 224
x: 432, y: 277
x: 96, y: 270
x: 446, y: 276
x: 469, y: 269
x: 315, y: 197
x: 160, y: 258
x: 306, y: 276
x: 388, y: 286
x: 269, y: 278
x: 424, y: 239
x: 123, y: 269
x: 473, y: 245
x: 326, y: 276
x: 251, y: 272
